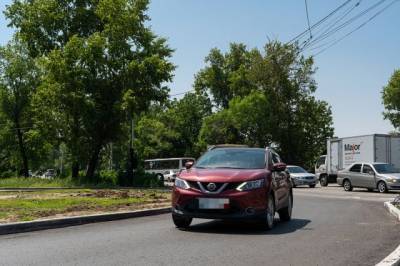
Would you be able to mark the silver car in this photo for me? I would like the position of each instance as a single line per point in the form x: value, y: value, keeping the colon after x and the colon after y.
x: 300, y: 176
x: 381, y: 176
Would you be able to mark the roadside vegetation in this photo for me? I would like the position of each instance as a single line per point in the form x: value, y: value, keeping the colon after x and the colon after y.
x: 27, y: 206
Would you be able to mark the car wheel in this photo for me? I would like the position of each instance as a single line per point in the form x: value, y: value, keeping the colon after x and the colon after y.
x: 181, y: 222
x: 312, y: 186
x: 382, y: 187
x: 293, y: 184
x: 347, y: 185
x: 160, y: 177
x: 323, y: 181
x: 268, y: 221
x: 286, y: 213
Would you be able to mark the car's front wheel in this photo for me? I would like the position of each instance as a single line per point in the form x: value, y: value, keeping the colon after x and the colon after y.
x: 181, y: 222
x: 347, y: 185
x: 268, y: 221
x: 382, y: 187
x: 286, y: 213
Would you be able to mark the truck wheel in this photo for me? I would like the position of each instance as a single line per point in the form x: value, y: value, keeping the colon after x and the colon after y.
x: 347, y: 185
x: 285, y: 214
x: 181, y: 222
x: 382, y: 187
x: 323, y: 181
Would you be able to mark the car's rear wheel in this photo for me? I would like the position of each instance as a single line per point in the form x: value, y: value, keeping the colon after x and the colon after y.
x: 181, y: 222
x: 312, y: 186
x: 286, y: 213
x: 382, y: 187
x: 347, y: 185
x: 323, y: 181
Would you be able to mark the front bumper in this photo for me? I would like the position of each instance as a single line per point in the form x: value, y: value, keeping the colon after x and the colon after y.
x: 242, y: 204
x: 299, y: 182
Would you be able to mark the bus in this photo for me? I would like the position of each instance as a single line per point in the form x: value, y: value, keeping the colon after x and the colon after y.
x: 166, y: 169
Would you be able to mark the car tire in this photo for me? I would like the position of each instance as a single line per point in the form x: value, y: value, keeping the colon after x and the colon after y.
x: 323, y: 181
x: 181, y: 222
x: 286, y: 213
x: 268, y: 221
x: 347, y: 185
x: 312, y: 186
x: 160, y: 177
x: 382, y: 188
x: 293, y: 184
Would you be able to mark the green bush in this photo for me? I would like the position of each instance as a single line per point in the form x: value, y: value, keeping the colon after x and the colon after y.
x: 108, y: 177
x: 141, y: 179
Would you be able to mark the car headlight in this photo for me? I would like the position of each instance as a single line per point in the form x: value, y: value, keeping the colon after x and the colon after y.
x: 180, y: 183
x: 249, y: 185
x: 393, y: 180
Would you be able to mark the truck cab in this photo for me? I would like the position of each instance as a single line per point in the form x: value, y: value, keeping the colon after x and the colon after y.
x: 321, y: 172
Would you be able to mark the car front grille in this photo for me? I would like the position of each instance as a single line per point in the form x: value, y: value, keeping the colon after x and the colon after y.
x: 219, y: 187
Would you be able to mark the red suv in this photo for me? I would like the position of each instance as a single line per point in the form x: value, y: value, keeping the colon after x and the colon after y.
x: 233, y: 183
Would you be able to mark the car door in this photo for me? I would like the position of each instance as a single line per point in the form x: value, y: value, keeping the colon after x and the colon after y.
x: 354, y: 175
x: 368, y: 176
x: 280, y: 180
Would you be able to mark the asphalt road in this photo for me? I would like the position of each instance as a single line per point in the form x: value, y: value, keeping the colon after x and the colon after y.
x: 329, y: 227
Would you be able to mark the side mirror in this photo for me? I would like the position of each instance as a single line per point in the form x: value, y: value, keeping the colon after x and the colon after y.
x: 371, y: 172
x: 278, y: 167
x: 189, y: 165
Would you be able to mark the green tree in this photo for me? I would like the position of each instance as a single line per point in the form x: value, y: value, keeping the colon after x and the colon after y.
x: 276, y: 106
x: 19, y: 79
x: 101, y: 62
x: 226, y: 75
x: 391, y: 99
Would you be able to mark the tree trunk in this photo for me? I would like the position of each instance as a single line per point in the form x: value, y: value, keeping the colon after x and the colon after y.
x: 22, y: 150
x: 94, y: 158
x: 75, y: 169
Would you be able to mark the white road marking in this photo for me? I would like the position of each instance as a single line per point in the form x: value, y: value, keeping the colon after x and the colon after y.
x: 391, y: 260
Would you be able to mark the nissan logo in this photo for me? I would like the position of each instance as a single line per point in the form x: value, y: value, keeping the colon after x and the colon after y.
x: 211, y: 186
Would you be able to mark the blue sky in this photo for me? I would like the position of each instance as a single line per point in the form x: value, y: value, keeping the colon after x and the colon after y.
x: 350, y: 74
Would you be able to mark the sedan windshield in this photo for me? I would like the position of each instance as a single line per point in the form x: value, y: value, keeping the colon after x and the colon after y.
x: 233, y: 158
x: 384, y: 168
x: 296, y: 170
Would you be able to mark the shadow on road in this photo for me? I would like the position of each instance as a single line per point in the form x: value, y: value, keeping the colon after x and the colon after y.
x: 248, y: 228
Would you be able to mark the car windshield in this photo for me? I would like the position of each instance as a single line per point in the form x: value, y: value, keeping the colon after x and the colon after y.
x: 296, y: 170
x: 233, y: 158
x: 384, y: 168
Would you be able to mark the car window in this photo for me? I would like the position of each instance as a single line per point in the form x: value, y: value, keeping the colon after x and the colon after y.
x: 356, y: 168
x: 321, y: 161
x: 233, y: 158
x: 296, y: 170
x: 367, y: 169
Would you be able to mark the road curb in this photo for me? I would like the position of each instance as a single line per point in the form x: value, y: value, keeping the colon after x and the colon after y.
x: 393, y: 259
x: 21, y: 227
x: 392, y: 209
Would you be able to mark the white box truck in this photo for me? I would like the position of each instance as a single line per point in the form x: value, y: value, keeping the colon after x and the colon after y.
x: 342, y: 152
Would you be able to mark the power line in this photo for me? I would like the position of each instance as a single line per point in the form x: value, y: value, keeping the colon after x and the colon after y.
x: 359, y: 27
x: 308, y: 18
x: 177, y: 94
x: 343, y: 25
x: 334, y: 23
x: 319, y: 22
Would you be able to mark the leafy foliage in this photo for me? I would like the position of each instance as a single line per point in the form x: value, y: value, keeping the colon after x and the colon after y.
x: 391, y: 99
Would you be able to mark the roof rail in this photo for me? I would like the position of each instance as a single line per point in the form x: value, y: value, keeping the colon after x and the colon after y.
x: 212, y: 147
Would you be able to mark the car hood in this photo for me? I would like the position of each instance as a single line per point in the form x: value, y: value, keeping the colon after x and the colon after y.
x: 222, y: 175
x: 392, y: 175
x: 298, y: 175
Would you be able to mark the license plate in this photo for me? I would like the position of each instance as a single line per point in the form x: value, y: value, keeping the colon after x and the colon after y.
x: 208, y: 203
